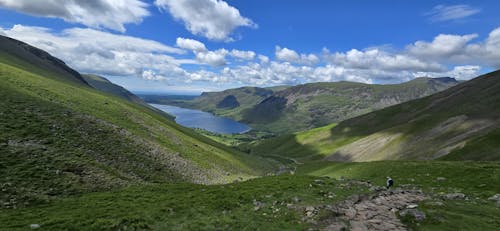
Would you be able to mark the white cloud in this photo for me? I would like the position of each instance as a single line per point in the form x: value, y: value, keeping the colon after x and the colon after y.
x: 378, y: 59
x: 285, y: 54
x: 112, y: 14
x: 263, y: 59
x: 213, y: 19
x: 92, y: 51
x: 151, y: 75
x: 191, y: 44
x: 244, y: 55
x: 214, y: 58
x: 289, y: 55
x: 443, y: 46
x: 454, y: 12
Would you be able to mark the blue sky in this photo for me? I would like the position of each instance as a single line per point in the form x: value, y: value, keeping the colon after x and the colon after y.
x: 189, y: 46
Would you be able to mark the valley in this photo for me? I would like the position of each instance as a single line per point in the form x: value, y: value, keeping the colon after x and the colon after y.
x: 79, y: 152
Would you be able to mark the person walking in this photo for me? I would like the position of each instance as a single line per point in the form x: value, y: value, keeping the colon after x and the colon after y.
x: 389, y: 182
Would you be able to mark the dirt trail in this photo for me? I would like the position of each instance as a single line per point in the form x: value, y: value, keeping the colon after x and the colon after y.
x: 375, y: 212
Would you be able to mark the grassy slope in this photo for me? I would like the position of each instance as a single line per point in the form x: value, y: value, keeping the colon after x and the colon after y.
x: 61, y: 137
x: 105, y: 85
x: 460, y: 123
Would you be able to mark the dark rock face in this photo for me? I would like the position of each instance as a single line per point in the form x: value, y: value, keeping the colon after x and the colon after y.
x: 228, y: 102
x: 268, y: 110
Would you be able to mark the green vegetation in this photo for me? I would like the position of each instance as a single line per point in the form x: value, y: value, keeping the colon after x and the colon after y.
x: 59, y: 136
x: 270, y: 203
x: 102, y: 84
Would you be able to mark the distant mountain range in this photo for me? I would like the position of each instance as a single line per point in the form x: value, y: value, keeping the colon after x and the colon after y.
x: 290, y: 109
x: 460, y: 123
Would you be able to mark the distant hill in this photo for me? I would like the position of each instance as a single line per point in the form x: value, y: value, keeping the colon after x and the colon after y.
x: 103, y: 84
x: 460, y: 123
x: 297, y: 108
x: 59, y: 136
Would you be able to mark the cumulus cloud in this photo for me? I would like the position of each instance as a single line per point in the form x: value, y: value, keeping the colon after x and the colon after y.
x: 214, y: 58
x: 289, y: 55
x: 191, y: 44
x: 453, y: 12
x: 243, y: 55
x: 93, y: 51
x: 213, y: 19
x: 151, y: 75
x: 443, y: 46
x: 111, y: 14
x: 378, y: 59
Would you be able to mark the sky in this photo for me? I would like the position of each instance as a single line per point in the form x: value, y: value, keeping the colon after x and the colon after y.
x: 191, y: 46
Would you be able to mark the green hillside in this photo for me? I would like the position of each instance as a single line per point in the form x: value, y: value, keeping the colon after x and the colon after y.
x: 460, y: 123
x: 59, y: 136
x: 103, y: 84
x: 314, y: 105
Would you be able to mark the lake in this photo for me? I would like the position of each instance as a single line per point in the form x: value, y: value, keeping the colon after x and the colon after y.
x: 199, y: 119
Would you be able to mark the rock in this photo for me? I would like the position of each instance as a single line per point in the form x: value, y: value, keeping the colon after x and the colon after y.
x: 296, y: 199
x: 318, y: 181
x: 310, y: 211
x: 375, y: 188
x: 411, y: 206
x: 415, y: 213
x: 440, y: 179
x: 454, y: 196
x: 358, y: 226
x: 34, y: 226
x: 495, y: 197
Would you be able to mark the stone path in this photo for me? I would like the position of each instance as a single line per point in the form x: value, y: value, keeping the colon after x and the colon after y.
x: 375, y: 212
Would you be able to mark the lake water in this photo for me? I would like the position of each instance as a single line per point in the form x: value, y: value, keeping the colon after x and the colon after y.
x: 199, y: 119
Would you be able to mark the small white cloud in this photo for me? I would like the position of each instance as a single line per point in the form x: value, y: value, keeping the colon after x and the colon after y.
x: 191, y: 44
x: 151, y: 75
x: 263, y: 59
x: 214, y: 58
x: 443, y: 46
x: 448, y: 13
x: 213, y: 19
x: 112, y: 14
x: 244, y: 55
x: 285, y: 54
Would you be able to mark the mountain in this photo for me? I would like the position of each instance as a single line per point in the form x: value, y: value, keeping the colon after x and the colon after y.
x: 460, y: 123
x: 318, y: 104
x: 103, y: 84
x: 59, y: 136
x: 297, y: 108
x: 231, y: 103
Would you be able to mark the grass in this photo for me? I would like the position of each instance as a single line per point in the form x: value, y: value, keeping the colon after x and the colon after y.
x: 270, y: 203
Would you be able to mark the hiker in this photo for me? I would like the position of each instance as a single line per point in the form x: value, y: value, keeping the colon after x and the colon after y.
x: 390, y: 182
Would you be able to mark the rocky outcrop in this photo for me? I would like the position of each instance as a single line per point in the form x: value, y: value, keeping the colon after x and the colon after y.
x: 376, y: 212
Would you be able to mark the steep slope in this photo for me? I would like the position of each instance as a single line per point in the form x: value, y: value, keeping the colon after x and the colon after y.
x: 460, y: 123
x: 103, y: 84
x: 317, y: 104
x: 58, y: 136
x: 22, y: 55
